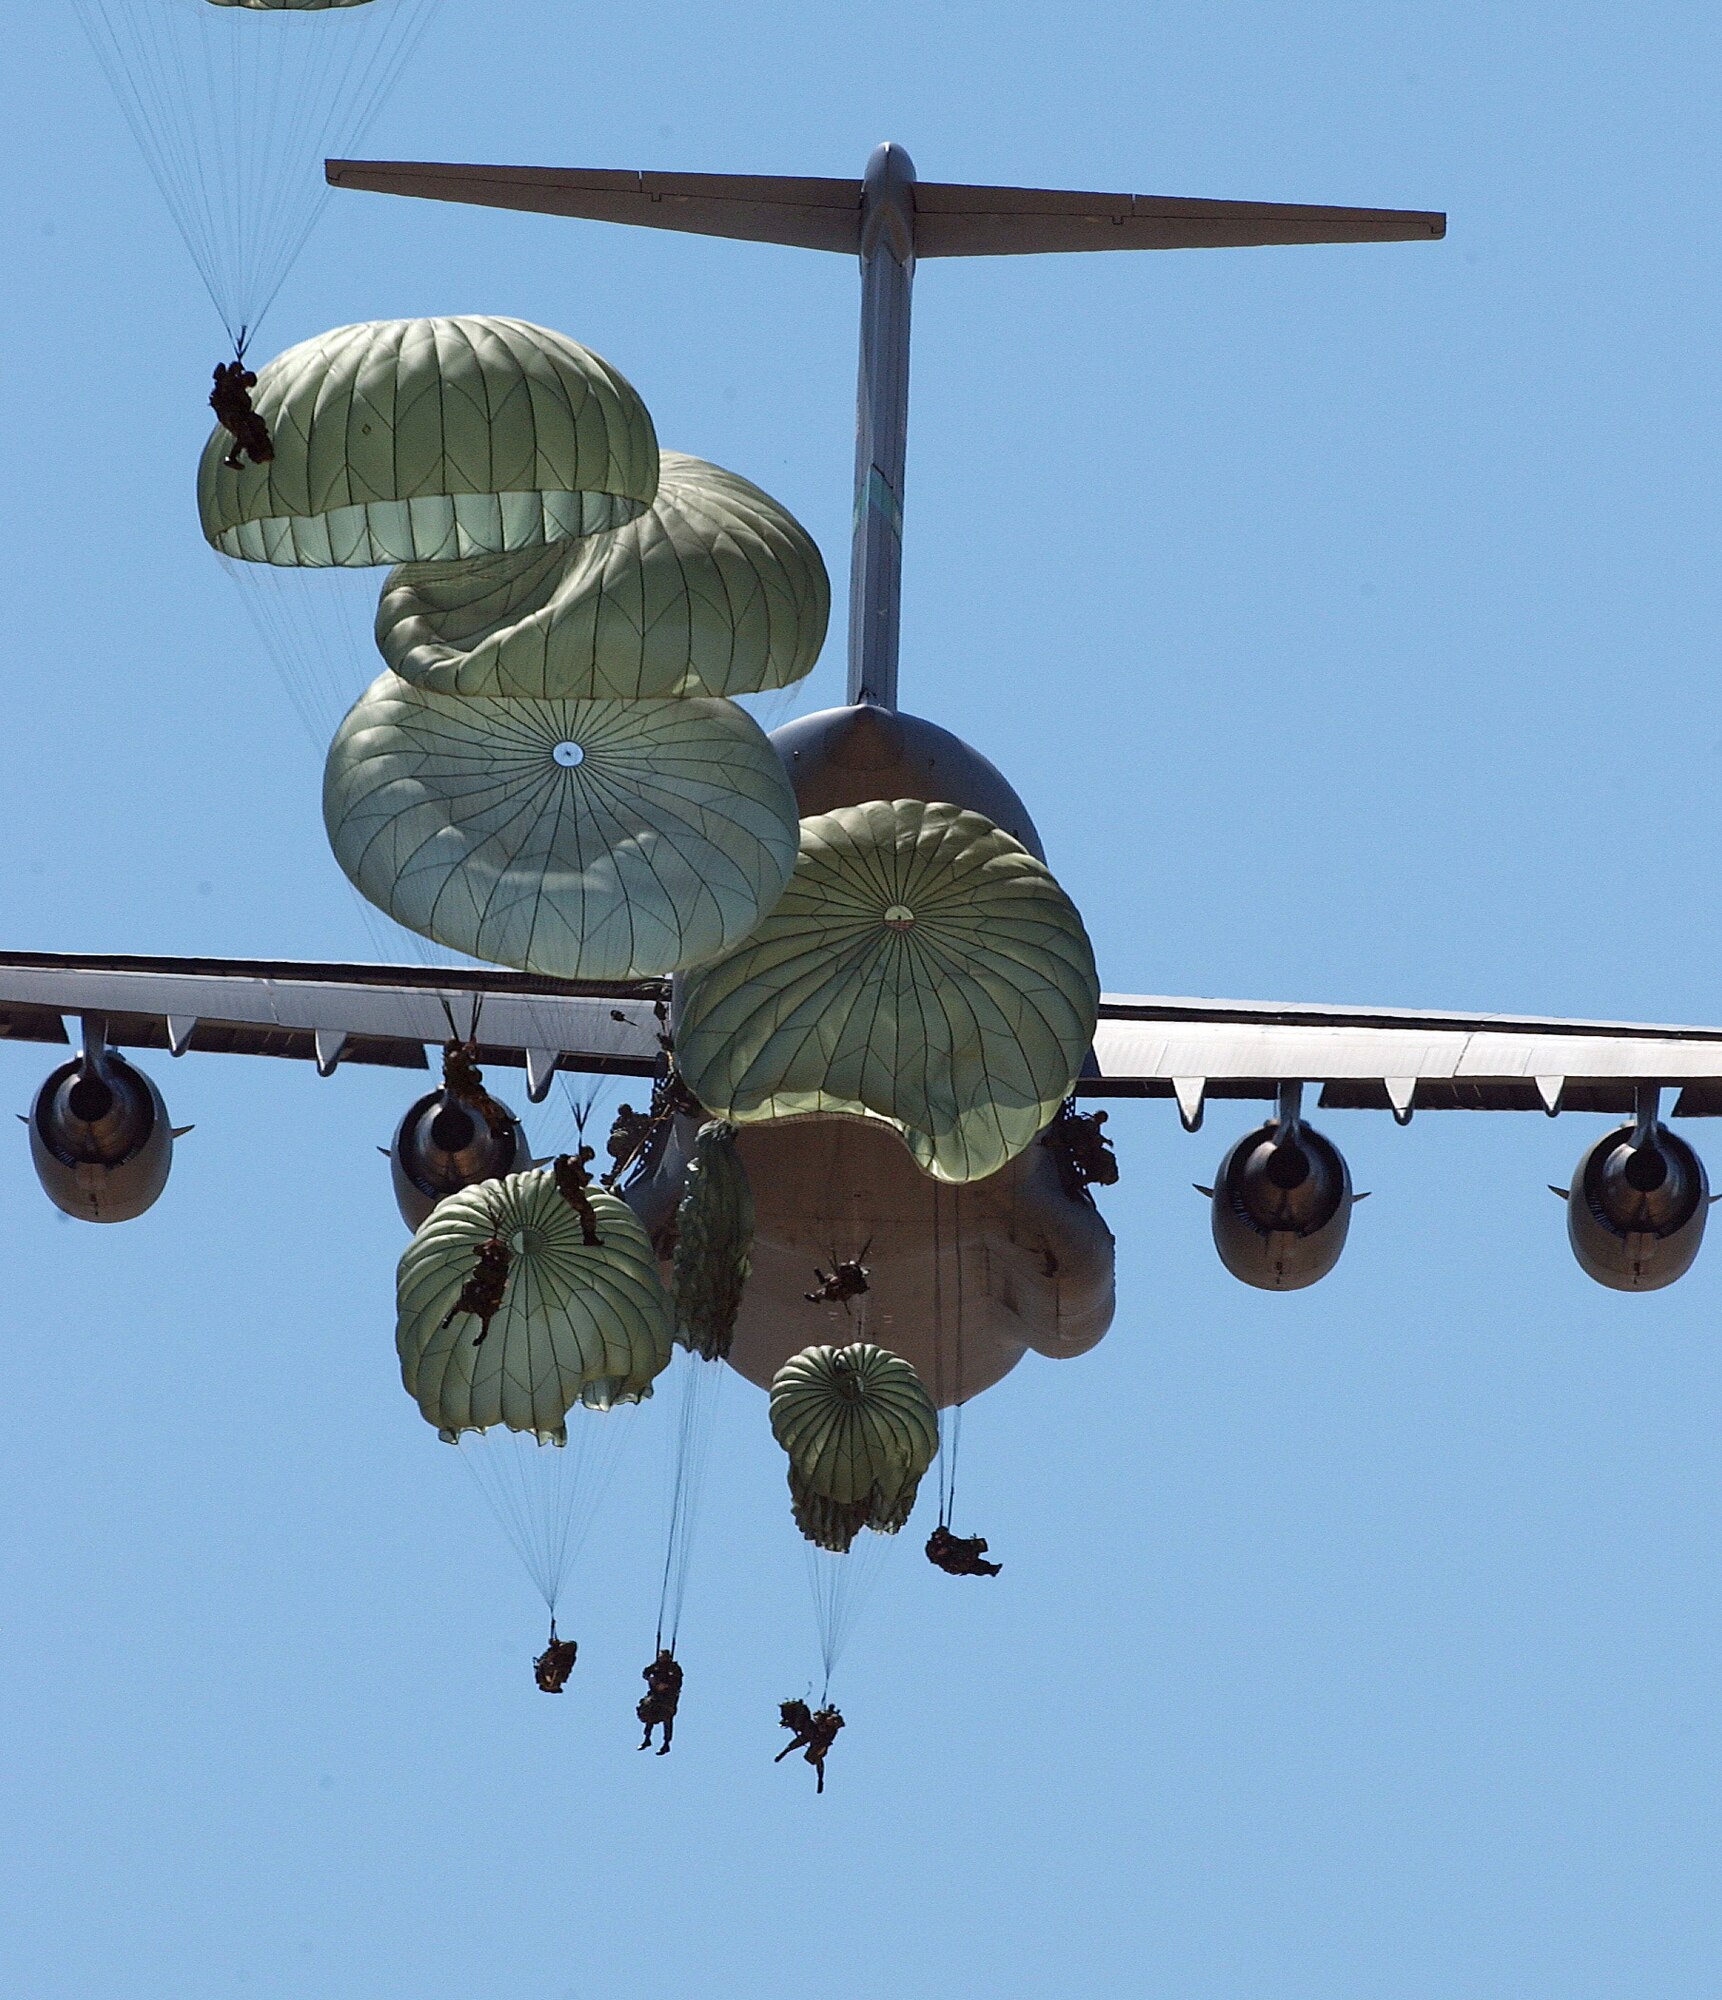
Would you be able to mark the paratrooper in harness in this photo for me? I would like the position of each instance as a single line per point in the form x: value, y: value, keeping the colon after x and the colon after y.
x: 814, y: 1732
x: 483, y: 1292
x: 553, y: 1666
x: 230, y: 399
x: 1082, y: 1152
x: 657, y: 1707
x: 464, y: 1082
x: 959, y: 1555
x: 844, y: 1281
x: 574, y: 1185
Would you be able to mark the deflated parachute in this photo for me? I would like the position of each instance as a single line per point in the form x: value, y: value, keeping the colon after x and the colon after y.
x: 922, y: 968
x: 584, y: 839
x: 860, y: 1429
x: 577, y: 1322
x: 714, y: 1243
x: 716, y: 590
x: 290, y: 6
x: 421, y: 440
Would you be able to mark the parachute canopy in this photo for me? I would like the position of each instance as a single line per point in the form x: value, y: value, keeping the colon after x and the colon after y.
x: 419, y: 440
x: 860, y: 1429
x: 584, y: 839
x: 578, y: 1323
x: 236, y: 105
x: 714, y: 1243
x: 922, y: 968
x: 716, y: 590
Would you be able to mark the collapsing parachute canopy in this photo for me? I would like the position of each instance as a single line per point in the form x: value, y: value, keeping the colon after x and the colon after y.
x: 922, y: 968
x: 426, y: 440
x: 860, y: 1429
x: 290, y: 6
x: 584, y: 839
x: 716, y: 590
x: 714, y: 1243
x: 577, y: 1322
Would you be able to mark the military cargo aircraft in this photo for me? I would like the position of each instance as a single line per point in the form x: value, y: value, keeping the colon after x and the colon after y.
x: 1031, y: 1251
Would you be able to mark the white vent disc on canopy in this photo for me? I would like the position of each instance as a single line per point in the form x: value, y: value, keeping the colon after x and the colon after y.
x: 587, y: 840
x: 922, y: 967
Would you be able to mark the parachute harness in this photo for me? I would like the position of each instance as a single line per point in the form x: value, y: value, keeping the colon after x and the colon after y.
x: 230, y: 399
x: 1081, y: 1150
x: 657, y: 1707
x: 553, y: 1666
x: 485, y: 1289
x: 574, y: 1185
x: 464, y: 1081
x: 812, y: 1731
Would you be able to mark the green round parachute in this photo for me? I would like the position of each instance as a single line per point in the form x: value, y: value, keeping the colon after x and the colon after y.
x: 425, y: 440
x: 584, y: 839
x: 860, y: 1429
x: 714, y: 1243
x: 716, y: 590
x: 922, y: 968
x: 578, y: 1322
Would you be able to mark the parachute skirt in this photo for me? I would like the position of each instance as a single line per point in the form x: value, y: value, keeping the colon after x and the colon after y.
x: 425, y: 440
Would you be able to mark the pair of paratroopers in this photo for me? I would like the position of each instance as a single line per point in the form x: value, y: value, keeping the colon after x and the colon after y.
x: 656, y: 1708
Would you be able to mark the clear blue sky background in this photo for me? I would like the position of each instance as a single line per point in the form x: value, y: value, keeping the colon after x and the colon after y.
x: 1348, y: 619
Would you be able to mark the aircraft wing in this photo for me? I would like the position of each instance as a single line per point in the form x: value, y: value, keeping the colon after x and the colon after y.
x: 330, y: 1014
x: 1392, y: 1059
x: 1386, y: 1059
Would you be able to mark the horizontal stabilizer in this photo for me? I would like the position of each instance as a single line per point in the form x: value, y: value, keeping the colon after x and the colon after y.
x: 953, y: 221
x: 950, y: 220
x: 812, y: 214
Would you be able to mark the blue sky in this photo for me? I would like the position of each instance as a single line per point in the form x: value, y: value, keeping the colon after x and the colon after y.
x: 1347, y: 619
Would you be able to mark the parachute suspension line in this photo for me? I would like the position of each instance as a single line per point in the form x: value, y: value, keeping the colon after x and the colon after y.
x: 940, y: 1384
x: 841, y: 1587
x: 315, y: 626
x: 771, y: 708
x: 546, y: 1496
x: 701, y: 1381
x: 315, y: 630
x: 234, y: 109
x: 950, y: 1418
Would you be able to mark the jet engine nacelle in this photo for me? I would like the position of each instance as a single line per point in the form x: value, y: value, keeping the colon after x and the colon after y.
x: 99, y: 1138
x: 441, y: 1147
x: 1636, y: 1208
x: 1282, y: 1206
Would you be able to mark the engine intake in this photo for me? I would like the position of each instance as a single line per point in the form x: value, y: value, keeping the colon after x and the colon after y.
x: 1281, y: 1205
x: 1637, y: 1206
x: 99, y: 1138
x: 442, y: 1146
